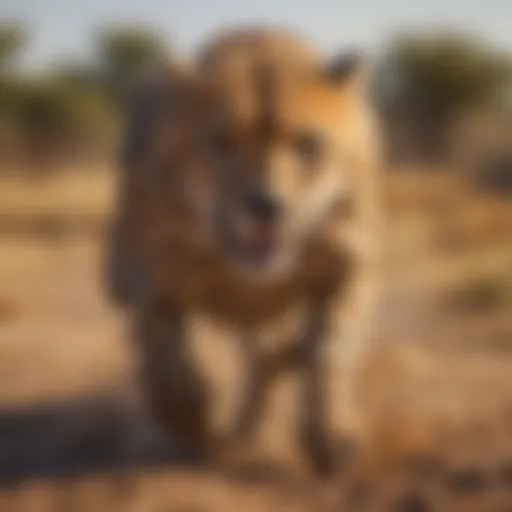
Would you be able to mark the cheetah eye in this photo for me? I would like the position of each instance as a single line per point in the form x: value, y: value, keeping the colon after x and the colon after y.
x: 309, y: 147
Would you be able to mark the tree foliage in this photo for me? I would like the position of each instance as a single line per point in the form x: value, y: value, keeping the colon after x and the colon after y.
x: 71, y: 108
x: 12, y: 39
x: 438, y: 75
x: 448, y: 71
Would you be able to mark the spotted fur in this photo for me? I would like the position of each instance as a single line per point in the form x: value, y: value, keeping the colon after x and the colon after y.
x: 258, y: 110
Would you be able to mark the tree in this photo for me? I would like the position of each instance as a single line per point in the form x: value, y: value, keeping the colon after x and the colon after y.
x: 438, y: 75
x: 12, y: 39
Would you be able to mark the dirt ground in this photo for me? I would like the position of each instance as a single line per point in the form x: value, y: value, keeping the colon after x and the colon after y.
x: 436, y: 390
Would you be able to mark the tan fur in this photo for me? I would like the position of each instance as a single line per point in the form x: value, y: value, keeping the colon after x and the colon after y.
x: 257, y: 89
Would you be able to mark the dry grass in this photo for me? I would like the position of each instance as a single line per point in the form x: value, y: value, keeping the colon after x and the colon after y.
x: 427, y: 391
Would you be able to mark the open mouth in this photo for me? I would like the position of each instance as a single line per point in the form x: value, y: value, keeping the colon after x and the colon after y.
x: 260, y: 244
x: 255, y: 243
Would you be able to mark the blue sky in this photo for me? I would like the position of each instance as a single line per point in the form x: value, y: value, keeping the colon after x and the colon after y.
x: 61, y: 27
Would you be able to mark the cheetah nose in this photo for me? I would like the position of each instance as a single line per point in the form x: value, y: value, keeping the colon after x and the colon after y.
x: 262, y: 207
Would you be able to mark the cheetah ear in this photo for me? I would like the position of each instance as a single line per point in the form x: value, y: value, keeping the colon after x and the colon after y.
x: 349, y: 68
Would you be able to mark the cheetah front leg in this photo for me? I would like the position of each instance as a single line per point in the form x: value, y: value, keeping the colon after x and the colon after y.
x: 313, y: 422
x: 262, y: 370
x: 172, y: 386
x: 334, y: 349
